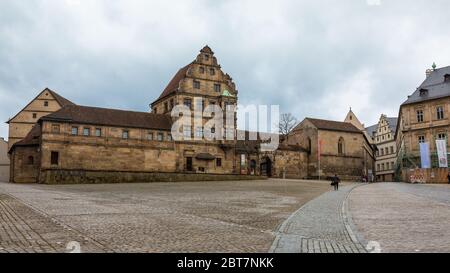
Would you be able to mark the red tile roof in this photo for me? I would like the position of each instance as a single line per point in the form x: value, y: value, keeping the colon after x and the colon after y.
x: 331, y: 125
x: 173, y: 85
x: 33, y: 138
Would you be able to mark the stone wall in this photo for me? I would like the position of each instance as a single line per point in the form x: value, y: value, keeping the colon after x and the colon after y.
x: 4, y: 160
x: 101, y: 177
x: 290, y: 164
x: 25, y: 165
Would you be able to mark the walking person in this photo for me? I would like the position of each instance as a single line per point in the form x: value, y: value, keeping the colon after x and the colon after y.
x: 335, y: 182
x: 448, y: 177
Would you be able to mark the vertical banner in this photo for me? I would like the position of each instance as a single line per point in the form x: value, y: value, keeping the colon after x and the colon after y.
x: 441, y: 147
x: 425, y: 155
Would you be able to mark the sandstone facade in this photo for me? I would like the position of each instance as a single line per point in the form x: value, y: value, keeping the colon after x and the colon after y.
x: 4, y: 160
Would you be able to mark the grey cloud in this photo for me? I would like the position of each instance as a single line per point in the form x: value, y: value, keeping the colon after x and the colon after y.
x: 298, y: 54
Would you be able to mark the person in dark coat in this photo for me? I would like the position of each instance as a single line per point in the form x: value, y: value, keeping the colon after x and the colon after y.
x: 335, y: 182
x: 448, y: 177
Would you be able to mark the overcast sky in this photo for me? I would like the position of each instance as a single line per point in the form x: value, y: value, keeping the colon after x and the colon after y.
x: 313, y: 58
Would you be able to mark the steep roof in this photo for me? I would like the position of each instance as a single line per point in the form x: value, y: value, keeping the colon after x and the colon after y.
x: 32, y: 138
x: 174, y: 83
x: 110, y: 117
x: 436, y: 86
x: 59, y: 99
x: 392, y: 125
x: 331, y: 125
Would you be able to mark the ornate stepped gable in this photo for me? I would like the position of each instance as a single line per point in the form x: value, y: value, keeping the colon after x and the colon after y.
x: 202, y: 78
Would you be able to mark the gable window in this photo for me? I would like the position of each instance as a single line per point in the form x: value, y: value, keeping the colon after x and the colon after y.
x: 440, y: 112
x: 419, y: 115
x: 86, y: 131
x: 206, y: 57
x: 54, y: 158
x: 34, y: 115
x: 421, y: 139
x: 55, y: 128
x: 201, y: 70
x: 217, y: 87
x: 150, y: 136
x: 46, y: 103
x: 341, y: 146
x: 98, y: 132
x: 74, y: 131
x: 160, y: 136
x: 196, y: 84
x: 125, y: 134
x: 212, y: 72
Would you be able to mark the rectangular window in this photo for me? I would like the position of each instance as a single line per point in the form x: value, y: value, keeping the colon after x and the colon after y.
x: 382, y: 152
x: 206, y: 57
x: 392, y: 149
x: 160, y: 136
x: 419, y: 116
x: 442, y: 136
x: 440, y: 112
x: 171, y: 104
x: 34, y: 115
x: 189, y: 164
x: 74, y: 131
x: 382, y: 166
x: 392, y: 165
x: 378, y: 167
x: 46, y: 103
x: 54, y: 158
x: 86, y: 131
x: 421, y: 139
x: 187, y: 132
x: 188, y: 103
x: 212, y: 72
x: 217, y: 87
x: 196, y: 84
x: 199, y: 132
x: 386, y: 150
x: 166, y: 107
x: 150, y: 136
x: 98, y: 132
x: 169, y: 137
x: 55, y: 128
x: 125, y: 134
x: 202, y: 70
x: 218, y: 162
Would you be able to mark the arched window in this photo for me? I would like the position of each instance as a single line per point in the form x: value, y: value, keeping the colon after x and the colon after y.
x: 30, y: 160
x: 341, y: 146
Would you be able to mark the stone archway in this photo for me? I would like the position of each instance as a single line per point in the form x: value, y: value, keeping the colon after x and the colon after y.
x: 266, y: 167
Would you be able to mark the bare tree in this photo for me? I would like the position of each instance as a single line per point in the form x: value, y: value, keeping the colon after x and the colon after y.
x: 287, y: 124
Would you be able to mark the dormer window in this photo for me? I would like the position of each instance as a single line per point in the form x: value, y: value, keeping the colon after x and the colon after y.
x: 447, y: 78
x: 423, y: 92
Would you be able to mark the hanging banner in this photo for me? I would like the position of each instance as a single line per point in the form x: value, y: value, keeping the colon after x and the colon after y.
x: 441, y: 147
x: 425, y: 155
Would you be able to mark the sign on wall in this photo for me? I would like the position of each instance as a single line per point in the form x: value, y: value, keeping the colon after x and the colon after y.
x: 425, y: 158
x: 441, y: 146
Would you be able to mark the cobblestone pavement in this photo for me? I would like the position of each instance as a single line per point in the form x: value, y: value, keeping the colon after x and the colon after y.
x: 403, y: 217
x: 319, y: 227
x: 158, y: 217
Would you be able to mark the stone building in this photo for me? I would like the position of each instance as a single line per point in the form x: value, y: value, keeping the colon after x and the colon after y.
x: 424, y: 117
x: 45, y: 103
x: 80, y: 144
x: 383, y: 135
x: 334, y: 148
x: 4, y: 160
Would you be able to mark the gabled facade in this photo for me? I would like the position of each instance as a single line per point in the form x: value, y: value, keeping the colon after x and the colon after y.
x: 383, y: 135
x: 45, y: 103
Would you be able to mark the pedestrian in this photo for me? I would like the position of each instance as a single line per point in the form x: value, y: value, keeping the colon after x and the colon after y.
x: 448, y: 177
x: 335, y: 182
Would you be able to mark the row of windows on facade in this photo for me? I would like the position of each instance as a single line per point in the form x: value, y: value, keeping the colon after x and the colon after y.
x: 439, y: 114
x: 441, y: 136
x: 385, y: 151
x: 388, y: 137
x: 54, y: 159
x: 386, y: 166
x: 125, y: 133
x: 168, y: 106
x: 212, y: 71
x: 187, y: 132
